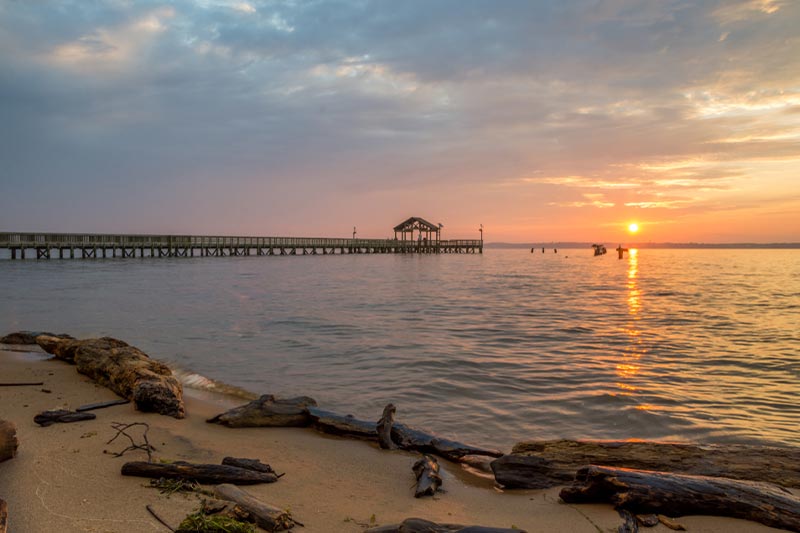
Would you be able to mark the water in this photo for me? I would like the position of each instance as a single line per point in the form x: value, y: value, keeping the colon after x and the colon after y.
x: 685, y: 345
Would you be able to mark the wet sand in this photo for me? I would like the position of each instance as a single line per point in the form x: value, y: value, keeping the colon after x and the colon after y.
x: 62, y: 481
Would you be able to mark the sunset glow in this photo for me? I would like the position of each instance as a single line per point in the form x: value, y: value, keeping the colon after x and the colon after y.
x: 543, y: 121
x: 633, y: 227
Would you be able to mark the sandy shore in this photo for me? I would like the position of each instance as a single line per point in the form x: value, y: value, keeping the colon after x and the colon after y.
x: 61, y: 481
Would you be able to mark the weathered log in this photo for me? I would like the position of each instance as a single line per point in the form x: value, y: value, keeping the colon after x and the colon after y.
x: 125, y: 370
x: 266, y: 516
x: 384, y: 428
x: 402, y: 436
x: 670, y: 523
x: 647, y: 520
x: 629, y: 522
x: 29, y: 337
x: 248, y: 464
x: 426, y: 471
x: 3, y: 516
x: 268, y: 411
x: 415, y: 440
x: 642, y: 491
x: 201, y: 473
x: 8, y: 440
x: 63, y: 416
x: 101, y: 405
x: 344, y: 426
x: 23, y: 384
x: 48, y: 342
x: 419, y: 525
x: 542, y: 464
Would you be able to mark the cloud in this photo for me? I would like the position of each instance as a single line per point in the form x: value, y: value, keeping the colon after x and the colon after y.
x: 648, y: 105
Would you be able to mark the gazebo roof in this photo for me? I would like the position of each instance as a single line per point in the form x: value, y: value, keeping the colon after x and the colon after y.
x: 416, y: 223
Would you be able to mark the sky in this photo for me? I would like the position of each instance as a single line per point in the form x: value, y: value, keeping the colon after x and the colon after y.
x: 542, y: 120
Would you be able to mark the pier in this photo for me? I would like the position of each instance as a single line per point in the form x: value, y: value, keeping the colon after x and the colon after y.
x: 417, y: 236
x: 94, y: 246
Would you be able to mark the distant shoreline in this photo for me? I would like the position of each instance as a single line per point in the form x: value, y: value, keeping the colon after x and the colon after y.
x: 664, y: 245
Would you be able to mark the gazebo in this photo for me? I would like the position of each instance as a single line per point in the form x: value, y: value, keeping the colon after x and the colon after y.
x: 407, y: 228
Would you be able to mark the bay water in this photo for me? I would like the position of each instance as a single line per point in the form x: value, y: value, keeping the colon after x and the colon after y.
x: 681, y: 345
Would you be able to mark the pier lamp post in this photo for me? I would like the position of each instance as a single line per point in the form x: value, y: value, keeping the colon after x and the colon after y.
x: 354, y: 233
x: 481, y: 230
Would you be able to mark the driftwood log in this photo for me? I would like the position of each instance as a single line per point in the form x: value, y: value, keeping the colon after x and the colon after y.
x: 419, y: 441
x: 268, y: 411
x: 343, y: 426
x: 266, y: 516
x: 629, y: 522
x: 248, y: 464
x: 124, y: 369
x: 393, y: 435
x: 62, y: 416
x: 3, y: 516
x: 426, y: 470
x: 201, y: 473
x: 384, y: 428
x: 542, y: 464
x: 642, y: 491
x: 418, y: 525
x: 8, y: 440
x: 101, y: 405
x: 29, y: 337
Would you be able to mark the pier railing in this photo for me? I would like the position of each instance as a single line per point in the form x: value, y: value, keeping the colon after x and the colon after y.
x: 88, y: 245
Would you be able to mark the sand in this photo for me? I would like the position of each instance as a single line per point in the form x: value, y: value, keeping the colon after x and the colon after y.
x: 62, y: 481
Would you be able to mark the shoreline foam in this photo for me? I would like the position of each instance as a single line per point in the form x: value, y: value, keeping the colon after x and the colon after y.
x: 61, y: 481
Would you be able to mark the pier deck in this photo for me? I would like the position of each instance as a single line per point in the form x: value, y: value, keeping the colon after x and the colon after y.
x: 93, y: 246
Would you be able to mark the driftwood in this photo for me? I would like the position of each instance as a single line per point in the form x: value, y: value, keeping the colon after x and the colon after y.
x: 201, y: 473
x: 3, y: 516
x: 23, y: 384
x: 8, y: 440
x: 64, y: 416
x: 426, y: 471
x: 125, y: 370
x: 248, y: 464
x: 29, y: 337
x: 418, y: 525
x: 161, y: 520
x: 122, y: 430
x: 266, y: 516
x: 542, y: 464
x: 642, y: 491
x: 670, y: 523
x: 101, y: 405
x: 647, y: 520
x: 344, y: 426
x: 268, y: 411
x: 629, y: 522
x: 419, y: 441
x: 384, y: 428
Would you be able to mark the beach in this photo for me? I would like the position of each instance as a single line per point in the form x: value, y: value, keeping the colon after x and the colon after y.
x: 62, y: 481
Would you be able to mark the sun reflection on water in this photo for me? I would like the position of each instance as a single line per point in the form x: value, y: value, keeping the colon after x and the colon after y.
x: 628, y: 368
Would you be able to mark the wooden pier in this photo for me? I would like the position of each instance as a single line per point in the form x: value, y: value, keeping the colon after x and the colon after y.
x: 95, y: 246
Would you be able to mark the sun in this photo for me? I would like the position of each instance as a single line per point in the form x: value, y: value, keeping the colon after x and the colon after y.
x: 633, y: 227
